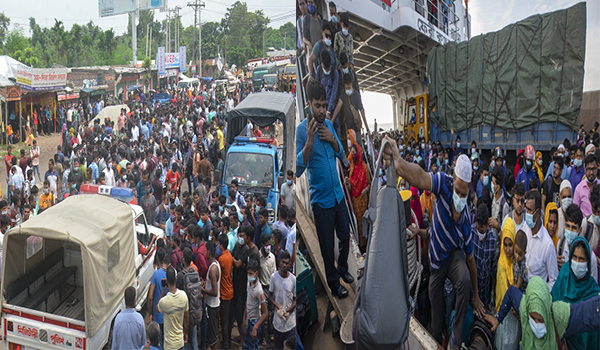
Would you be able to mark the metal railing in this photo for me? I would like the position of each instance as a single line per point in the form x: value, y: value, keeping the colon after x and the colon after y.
x: 444, y: 18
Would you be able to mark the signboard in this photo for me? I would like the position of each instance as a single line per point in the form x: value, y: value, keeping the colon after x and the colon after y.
x: 11, y: 93
x: 182, y: 59
x: 160, y: 60
x: 169, y: 73
x: 64, y: 97
x: 117, y: 7
x: 172, y: 60
x: 42, y: 79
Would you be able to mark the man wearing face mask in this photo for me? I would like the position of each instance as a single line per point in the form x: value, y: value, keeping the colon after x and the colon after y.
x: 288, y: 191
x: 561, y: 152
x: 451, y: 243
x: 540, y: 255
x: 317, y: 148
x: 325, y: 44
x: 581, y: 197
x: 573, y: 219
x: 527, y: 172
x: 577, y: 170
x: 334, y: 21
x: 354, y: 108
x: 343, y: 43
x: 76, y: 176
x: 311, y: 26
x: 329, y: 77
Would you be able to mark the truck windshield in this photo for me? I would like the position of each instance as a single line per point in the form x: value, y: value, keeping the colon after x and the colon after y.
x: 250, y: 169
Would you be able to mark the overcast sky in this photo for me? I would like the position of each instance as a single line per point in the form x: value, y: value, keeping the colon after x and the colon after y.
x: 82, y: 11
x: 489, y: 16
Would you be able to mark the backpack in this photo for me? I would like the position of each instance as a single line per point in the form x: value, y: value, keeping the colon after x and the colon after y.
x: 177, y: 260
x: 193, y: 289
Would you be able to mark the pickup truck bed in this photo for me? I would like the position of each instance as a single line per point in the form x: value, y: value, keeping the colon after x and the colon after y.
x: 73, y: 306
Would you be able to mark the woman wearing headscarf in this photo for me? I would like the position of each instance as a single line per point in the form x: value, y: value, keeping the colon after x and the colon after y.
x: 543, y: 322
x: 359, y: 186
x: 505, y: 335
x: 551, y: 222
x: 538, y: 165
x: 415, y: 205
x: 575, y: 284
x: 519, y: 162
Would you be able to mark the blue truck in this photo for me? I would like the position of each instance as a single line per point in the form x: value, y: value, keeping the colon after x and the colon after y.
x: 259, y: 164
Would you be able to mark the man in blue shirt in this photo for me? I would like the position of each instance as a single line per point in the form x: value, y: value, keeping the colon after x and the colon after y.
x: 129, y: 328
x: 577, y: 170
x: 160, y: 274
x: 527, y: 172
x: 318, y: 156
x: 451, y: 242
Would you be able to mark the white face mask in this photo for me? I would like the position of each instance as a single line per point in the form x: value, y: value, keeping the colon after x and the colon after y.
x: 349, y: 92
x: 326, y: 72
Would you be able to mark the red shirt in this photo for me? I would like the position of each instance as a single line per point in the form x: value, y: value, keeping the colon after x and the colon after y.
x: 199, y: 255
x: 8, y: 162
x: 173, y: 179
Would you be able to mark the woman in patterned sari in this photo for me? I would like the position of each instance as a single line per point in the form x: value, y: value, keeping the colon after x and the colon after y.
x: 358, y: 181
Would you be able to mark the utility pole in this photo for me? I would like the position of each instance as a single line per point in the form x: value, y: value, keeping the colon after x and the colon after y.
x: 134, y: 17
x: 168, y: 38
x: 197, y: 5
x: 177, y: 8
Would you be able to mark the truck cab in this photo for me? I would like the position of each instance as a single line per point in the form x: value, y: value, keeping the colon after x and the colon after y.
x: 255, y: 164
x: 259, y: 163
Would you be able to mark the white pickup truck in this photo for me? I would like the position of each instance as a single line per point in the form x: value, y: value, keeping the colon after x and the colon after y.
x: 65, y: 271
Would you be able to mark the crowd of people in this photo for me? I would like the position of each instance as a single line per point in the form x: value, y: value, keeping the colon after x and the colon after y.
x: 221, y: 263
x: 490, y: 225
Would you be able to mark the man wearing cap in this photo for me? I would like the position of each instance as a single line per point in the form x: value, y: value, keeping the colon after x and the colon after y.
x: 581, y: 197
x: 565, y: 173
x: 565, y: 199
x: 451, y: 243
x: 527, y: 172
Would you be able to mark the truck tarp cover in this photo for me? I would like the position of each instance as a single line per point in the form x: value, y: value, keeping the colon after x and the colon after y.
x: 526, y: 73
x: 96, y: 223
x: 263, y: 109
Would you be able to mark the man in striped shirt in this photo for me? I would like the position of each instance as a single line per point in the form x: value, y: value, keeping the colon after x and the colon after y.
x: 451, y: 239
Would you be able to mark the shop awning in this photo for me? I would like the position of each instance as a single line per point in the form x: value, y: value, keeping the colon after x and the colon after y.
x: 93, y: 92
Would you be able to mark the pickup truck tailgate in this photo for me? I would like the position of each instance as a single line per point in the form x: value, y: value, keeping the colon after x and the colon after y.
x: 39, y: 332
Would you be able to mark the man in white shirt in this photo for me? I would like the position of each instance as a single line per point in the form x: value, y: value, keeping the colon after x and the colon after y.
x: 540, y: 255
x: 135, y: 133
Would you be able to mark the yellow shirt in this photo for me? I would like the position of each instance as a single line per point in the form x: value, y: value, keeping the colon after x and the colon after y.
x: 220, y: 138
x: 173, y: 306
x: 46, y: 201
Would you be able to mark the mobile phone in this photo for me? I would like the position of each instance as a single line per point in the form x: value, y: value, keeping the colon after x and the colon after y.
x: 308, y: 112
x: 163, y: 282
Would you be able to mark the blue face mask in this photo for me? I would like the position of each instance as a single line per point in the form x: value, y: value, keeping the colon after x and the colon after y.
x: 201, y: 223
x: 529, y: 164
x: 326, y: 72
x: 346, y: 70
x: 345, y: 32
x: 596, y: 219
x: 529, y: 220
x: 459, y: 203
x: 327, y: 42
x: 475, y: 167
x: 539, y: 329
x: 570, y: 236
x: 578, y: 163
x: 446, y: 161
x: 251, y: 279
x: 579, y: 269
x: 289, y: 182
x: 220, y: 208
x: 240, y: 240
x: 311, y: 9
x: 333, y: 19
x: 486, y: 180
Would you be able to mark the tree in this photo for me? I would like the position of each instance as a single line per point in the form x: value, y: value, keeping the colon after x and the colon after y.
x: 4, y: 23
x: 16, y: 41
x: 28, y: 57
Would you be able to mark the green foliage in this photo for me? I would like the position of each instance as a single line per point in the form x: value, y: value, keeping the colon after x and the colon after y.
x: 238, y: 37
